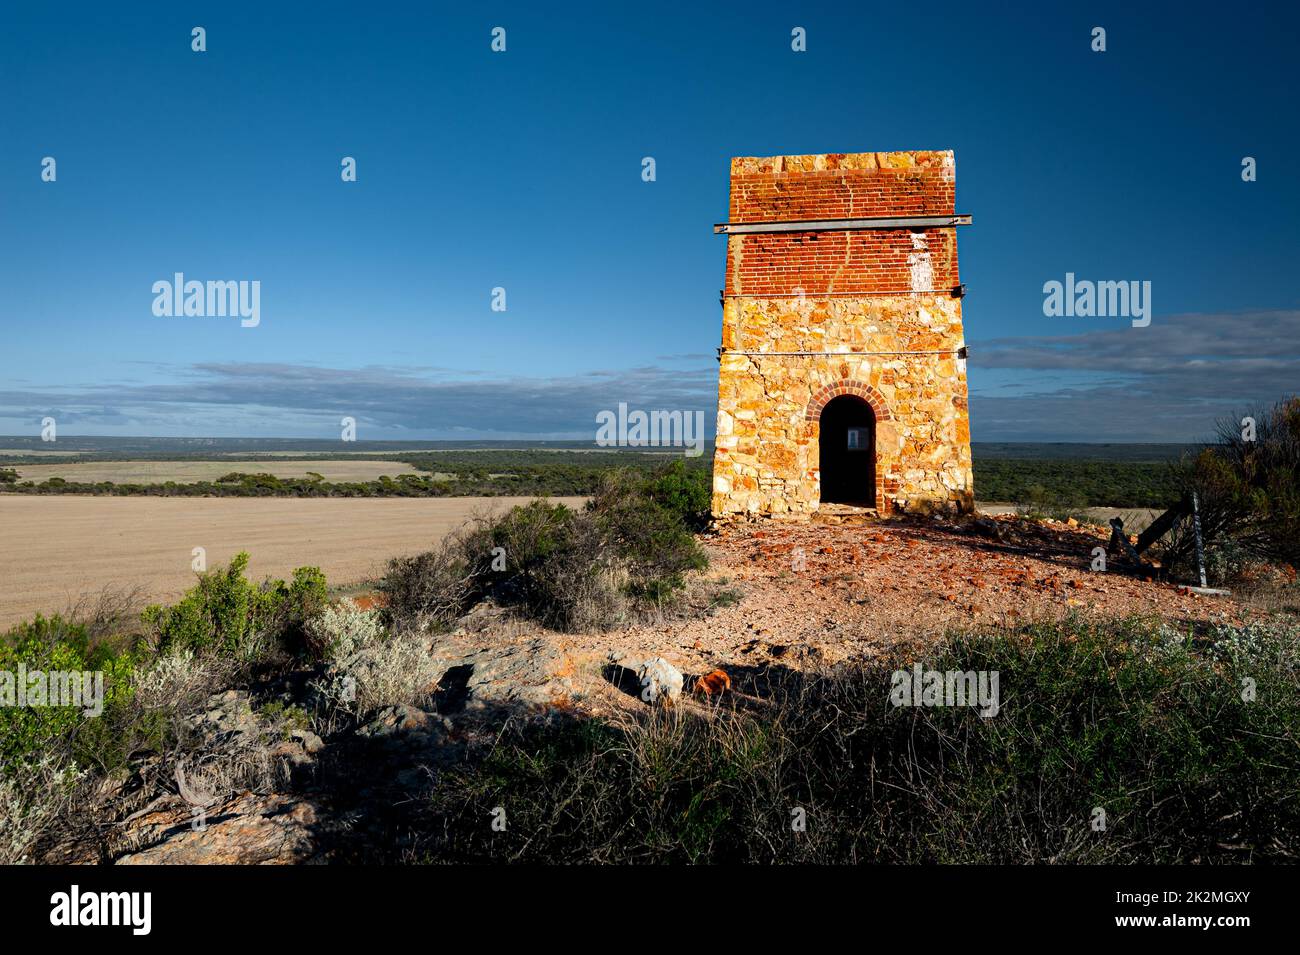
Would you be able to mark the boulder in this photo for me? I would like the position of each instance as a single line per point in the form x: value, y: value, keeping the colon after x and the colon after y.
x: 660, y: 680
x: 651, y: 679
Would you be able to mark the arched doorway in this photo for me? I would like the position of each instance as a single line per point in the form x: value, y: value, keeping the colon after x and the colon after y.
x: 847, y: 451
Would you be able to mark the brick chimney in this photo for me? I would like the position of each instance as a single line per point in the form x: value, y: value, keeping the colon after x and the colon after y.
x: 842, y: 374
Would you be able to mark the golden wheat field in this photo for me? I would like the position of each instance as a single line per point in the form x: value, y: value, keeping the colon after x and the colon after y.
x: 188, y: 472
x: 59, y: 551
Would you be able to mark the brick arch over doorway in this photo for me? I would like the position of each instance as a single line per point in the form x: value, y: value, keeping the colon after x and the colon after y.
x: 885, y: 487
x: 848, y: 386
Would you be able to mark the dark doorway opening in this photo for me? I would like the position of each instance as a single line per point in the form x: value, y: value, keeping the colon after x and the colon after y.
x: 847, y: 449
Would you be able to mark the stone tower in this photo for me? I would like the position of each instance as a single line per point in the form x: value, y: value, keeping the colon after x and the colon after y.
x: 842, y: 372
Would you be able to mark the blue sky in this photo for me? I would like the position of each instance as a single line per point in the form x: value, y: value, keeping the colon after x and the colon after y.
x: 522, y: 170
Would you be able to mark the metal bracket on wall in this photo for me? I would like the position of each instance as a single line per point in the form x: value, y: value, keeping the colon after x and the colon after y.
x: 842, y: 225
x: 955, y: 352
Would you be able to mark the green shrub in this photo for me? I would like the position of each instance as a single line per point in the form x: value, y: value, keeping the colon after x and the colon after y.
x: 53, y: 644
x: 225, y: 613
x: 285, y: 717
x: 686, y: 492
x: 557, y: 568
x: 430, y: 588
x: 304, y: 598
x: 570, y: 570
x: 649, y: 536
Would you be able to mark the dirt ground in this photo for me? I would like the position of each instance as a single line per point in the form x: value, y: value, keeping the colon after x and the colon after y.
x: 808, y: 596
x: 54, y: 551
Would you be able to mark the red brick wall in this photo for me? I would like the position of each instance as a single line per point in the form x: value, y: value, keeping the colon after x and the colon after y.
x: 821, y: 263
x: 842, y: 194
x: 839, y: 186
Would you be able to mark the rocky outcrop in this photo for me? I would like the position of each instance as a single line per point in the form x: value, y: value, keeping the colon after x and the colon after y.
x: 538, y: 673
x: 249, y: 829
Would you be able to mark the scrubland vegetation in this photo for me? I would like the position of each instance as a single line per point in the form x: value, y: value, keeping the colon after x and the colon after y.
x: 1146, y: 723
x: 1246, y: 483
x: 571, y: 570
x: 1136, y: 719
x: 488, y: 473
x: 1059, y: 483
x: 1071, y: 485
x: 1134, y: 740
x: 1248, y: 489
x: 629, y: 548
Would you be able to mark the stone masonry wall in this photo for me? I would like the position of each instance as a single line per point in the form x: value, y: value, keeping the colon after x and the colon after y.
x: 881, y: 300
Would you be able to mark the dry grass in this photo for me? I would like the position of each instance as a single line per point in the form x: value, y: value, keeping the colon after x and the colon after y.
x: 1269, y: 591
x: 30, y: 807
